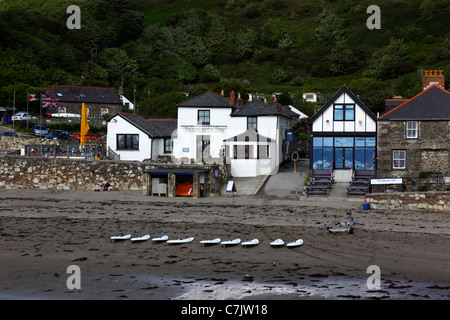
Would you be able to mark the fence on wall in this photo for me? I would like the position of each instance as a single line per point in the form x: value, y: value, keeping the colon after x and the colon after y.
x: 88, y: 151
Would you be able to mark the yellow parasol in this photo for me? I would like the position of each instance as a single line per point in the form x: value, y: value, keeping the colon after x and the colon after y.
x: 84, y: 125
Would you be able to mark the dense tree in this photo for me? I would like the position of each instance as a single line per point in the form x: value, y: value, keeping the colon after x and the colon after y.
x: 329, y: 29
x: 341, y: 58
x: 384, y: 64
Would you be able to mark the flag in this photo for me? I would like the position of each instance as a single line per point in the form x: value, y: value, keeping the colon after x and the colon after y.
x: 32, y: 97
x: 84, y: 125
x: 48, y: 101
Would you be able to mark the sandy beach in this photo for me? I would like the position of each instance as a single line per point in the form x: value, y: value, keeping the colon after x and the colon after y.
x: 43, y: 232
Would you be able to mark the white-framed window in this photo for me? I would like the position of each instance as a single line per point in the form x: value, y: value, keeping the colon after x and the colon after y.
x: 203, y: 117
x: 104, y: 111
x: 252, y: 122
x: 412, y: 129
x: 398, y: 159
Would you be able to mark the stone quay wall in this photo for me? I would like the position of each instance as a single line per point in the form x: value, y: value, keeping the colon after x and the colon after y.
x: 21, y: 172
x: 25, y: 172
x: 414, y: 201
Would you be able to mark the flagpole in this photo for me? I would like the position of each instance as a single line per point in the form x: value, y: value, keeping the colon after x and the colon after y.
x: 40, y: 112
x: 28, y: 98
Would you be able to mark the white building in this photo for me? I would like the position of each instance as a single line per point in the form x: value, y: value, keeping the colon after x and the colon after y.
x: 343, y: 136
x: 127, y: 103
x: 310, y: 97
x: 136, y: 137
x: 250, y: 137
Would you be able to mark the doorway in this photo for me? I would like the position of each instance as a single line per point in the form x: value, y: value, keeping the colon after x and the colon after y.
x: 343, y: 158
x: 203, y: 147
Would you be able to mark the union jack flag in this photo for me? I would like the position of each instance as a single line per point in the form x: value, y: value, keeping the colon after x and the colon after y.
x: 48, y: 101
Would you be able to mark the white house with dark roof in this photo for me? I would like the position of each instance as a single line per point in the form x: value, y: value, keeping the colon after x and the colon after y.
x: 137, y: 137
x: 251, y: 137
x: 343, y: 136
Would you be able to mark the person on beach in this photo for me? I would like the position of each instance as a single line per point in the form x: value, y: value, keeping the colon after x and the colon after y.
x: 108, y: 187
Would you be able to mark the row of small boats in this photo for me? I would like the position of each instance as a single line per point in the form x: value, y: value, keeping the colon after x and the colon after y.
x: 250, y: 243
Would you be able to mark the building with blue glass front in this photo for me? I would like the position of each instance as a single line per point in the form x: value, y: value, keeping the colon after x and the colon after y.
x: 343, y: 136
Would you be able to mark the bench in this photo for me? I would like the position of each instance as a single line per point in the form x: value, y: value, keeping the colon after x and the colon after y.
x: 363, y: 175
x: 359, y: 183
x: 317, y: 189
x: 322, y: 174
x: 320, y: 183
x: 357, y: 190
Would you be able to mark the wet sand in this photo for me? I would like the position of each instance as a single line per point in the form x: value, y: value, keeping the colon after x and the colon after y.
x: 43, y: 232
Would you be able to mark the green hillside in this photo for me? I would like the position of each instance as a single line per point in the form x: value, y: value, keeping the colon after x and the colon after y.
x: 167, y: 47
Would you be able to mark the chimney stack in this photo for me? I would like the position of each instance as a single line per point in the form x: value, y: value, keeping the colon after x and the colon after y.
x: 433, y: 77
x: 233, y: 98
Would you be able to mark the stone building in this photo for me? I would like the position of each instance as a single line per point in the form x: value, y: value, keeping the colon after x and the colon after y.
x: 414, y: 136
x: 99, y: 101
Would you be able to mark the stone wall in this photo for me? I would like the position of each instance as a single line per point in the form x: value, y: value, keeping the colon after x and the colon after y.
x: 20, y: 172
x: 429, y: 152
x: 415, y: 201
x: 24, y: 172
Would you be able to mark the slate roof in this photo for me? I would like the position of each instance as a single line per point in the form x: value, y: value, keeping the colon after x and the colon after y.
x: 286, y: 110
x: 207, y: 100
x: 430, y: 104
x: 341, y: 91
x: 255, y: 108
x: 252, y: 135
x: 155, y: 127
x: 85, y: 94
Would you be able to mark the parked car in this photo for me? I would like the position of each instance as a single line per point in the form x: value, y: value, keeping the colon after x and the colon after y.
x: 21, y: 116
x: 58, y: 134
x: 40, y: 130
x: 9, y: 134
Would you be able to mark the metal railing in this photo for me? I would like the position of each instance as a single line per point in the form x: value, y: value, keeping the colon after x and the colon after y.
x: 90, y: 152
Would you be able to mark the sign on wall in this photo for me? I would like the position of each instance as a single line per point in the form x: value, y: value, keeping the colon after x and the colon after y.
x: 289, y: 135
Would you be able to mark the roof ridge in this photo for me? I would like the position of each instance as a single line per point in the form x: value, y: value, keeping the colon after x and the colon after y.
x: 68, y: 86
x: 411, y: 99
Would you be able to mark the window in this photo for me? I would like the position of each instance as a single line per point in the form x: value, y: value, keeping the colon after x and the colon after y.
x: 243, y: 152
x: 128, y: 141
x: 398, y: 159
x: 203, y: 116
x: 412, y: 129
x: 82, y: 95
x: 168, y: 145
x: 263, y: 152
x: 104, y: 111
x: 344, y: 112
x: 252, y: 123
x: 59, y: 94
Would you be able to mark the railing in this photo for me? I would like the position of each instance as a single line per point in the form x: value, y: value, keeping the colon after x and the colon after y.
x: 89, y: 152
x: 111, y: 155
